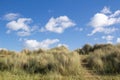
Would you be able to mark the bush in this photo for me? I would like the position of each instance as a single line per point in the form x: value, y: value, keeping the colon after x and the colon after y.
x: 105, y: 62
x: 85, y: 50
x: 6, y: 63
x: 104, y: 47
x: 59, y: 60
x: 38, y: 64
x: 94, y: 60
x: 103, y: 58
x: 112, y: 62
x: 67, y: 63
x: 64, y: 63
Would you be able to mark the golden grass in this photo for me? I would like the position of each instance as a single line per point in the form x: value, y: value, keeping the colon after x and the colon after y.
x: 61, y: 64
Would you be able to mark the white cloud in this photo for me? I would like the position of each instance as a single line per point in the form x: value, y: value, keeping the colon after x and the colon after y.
x: 3, y: 49
x: 109, y: 30
x: 58, y: 25
x: 63, y: 45
x: 21, y: 26
x: 11, y: 16
x: 108, y: 38
x: 101, y: 22
x: 106, y: 10
x: 118, y: 40
x: 104, y: 30
x: 34, y: 44
x: 116, y: 13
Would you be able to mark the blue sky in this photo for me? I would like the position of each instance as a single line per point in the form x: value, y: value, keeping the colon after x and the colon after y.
x: 37, y: 24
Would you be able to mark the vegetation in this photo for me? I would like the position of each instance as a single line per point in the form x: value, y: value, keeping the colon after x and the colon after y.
x: 87, y: 48
x: 105, y: 59
x: 60, y: 63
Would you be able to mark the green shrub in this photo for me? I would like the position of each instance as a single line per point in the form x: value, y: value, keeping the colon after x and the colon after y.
x: 112, y: 62
x: 86, y: 49
x: 104, y: 47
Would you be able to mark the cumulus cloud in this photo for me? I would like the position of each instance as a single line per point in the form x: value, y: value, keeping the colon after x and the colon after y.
x: 118, y: 40
x: 34, y: 44
x: 116, y: 13
x: 101, y: 22
x: 11, y: 16
x: 21, y: 26
x: 108, y: 38
x: 106, y: 10
x: 58, y: 25
x: 103, y: 30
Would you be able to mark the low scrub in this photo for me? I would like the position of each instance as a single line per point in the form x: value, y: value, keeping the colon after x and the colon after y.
x: 103, y: 61
x: 86, y: 49
x: 57, y: 60
x: 6, y: 64
x: 64, y: 63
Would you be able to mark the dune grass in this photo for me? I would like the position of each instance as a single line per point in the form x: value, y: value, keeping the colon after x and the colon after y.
x: 57, y: 63
x: 60, y: 63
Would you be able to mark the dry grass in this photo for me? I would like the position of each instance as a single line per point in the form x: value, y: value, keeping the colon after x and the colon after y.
x: 59, y: 60
x: 62, y: 64
x: 105, y: 59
